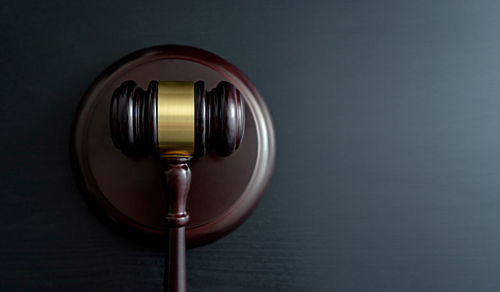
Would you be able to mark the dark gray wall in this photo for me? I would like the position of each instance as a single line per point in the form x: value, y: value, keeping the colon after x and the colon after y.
x: 387, y: 122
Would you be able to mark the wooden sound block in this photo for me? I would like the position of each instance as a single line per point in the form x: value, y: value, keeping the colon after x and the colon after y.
x: 224, y: 191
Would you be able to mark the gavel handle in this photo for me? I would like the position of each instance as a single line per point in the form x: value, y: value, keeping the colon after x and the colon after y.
x: 177, y: 177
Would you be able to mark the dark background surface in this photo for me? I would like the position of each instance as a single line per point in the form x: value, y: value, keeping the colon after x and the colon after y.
x: 387, y: 123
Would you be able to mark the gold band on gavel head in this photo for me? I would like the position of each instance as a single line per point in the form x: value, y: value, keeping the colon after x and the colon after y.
x: 175, y: 117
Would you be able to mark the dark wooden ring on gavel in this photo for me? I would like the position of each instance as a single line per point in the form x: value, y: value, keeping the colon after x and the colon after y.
x: 219, y: 119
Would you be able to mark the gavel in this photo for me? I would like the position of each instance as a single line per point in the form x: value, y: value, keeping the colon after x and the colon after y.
x: 176, y: 121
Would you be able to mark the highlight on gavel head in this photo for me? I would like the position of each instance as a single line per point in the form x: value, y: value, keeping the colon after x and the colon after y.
x: 177, y: 119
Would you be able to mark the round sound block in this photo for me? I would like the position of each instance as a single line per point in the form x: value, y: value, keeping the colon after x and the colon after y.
x: 224, y: 191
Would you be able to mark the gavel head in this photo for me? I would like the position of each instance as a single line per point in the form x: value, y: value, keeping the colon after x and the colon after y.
x: 177, y: 119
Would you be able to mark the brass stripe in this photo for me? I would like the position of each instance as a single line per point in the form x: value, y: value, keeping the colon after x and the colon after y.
x: 175, y: 118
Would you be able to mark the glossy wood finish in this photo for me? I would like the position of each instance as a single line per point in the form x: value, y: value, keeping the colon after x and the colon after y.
x: 177, y: 183
x: 224, y: 120
x: 219, y: 124
x: 219, y: 119
x: 116, y: 184
x: 132, y: 118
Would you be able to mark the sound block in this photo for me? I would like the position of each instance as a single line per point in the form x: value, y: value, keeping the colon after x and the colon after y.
x: 224, y: 191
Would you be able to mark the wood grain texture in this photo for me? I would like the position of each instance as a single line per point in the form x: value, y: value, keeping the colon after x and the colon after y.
x: 402, y: 95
